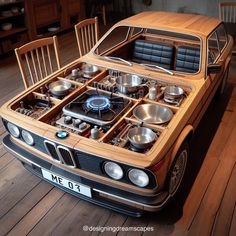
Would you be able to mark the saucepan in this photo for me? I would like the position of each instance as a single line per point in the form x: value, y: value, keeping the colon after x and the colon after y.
x: 173, y: 92
x: 60, y: 87
x: 152, y: 113
x: 141, y: 137
x: 90, y: 70
x: 128, y: 83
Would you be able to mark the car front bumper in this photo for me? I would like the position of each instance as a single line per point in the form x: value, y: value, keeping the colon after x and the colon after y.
x: 106, y: 196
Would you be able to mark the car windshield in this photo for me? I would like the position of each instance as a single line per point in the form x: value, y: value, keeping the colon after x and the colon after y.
x: 153, y: 49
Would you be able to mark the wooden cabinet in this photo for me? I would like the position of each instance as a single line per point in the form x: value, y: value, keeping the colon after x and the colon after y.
x: 12, y: 13
x: 47, y: 17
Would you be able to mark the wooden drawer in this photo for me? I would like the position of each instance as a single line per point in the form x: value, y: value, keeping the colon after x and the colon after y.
x: 15, y: 41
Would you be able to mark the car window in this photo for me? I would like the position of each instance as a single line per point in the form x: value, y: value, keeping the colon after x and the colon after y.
x: 136, y: 31
x: 116, y: 37
x: 222, y: 36
x: 213, y: 48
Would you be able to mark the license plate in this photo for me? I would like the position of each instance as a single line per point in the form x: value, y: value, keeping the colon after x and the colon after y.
x: 69, y: 184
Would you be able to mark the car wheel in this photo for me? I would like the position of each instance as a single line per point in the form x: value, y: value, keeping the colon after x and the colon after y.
x: 178, y: 168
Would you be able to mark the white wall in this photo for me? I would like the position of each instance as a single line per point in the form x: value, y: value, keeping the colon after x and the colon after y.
x: 204, y: 7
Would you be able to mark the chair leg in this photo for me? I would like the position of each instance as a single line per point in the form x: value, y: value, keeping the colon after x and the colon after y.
x: 104, y: 14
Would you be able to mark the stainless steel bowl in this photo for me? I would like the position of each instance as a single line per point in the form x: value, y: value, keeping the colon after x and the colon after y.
x: 90, y: 70
x: 173, y: 92
x: 128, y: 83
x: 152, y: 113
x: 60, y: 87
x: 141, y: 137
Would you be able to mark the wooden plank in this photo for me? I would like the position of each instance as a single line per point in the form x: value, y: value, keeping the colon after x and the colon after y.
x: 55, y: 215
x: 134, y: 223
x: 225, y: 213
x: 21, y: 185
x: 5, y: 160
x: 233, y: 223
x: 84, y: 213
x: 224, y: 130
x: 16, y: 213
x: 28, y: 222
x: 112, y: 219
x: 204, y: 219
x: 198, y: 190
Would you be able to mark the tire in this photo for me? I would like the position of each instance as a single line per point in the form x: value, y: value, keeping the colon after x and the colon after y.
x: 178, y: 169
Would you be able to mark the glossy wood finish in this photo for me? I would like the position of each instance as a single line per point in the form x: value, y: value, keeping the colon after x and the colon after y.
x: 204, y: 206
x: 86, y: 34
x: 36, y: 59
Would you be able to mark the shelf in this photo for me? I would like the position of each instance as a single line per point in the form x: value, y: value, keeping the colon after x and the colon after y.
x: 12, y: 16
x: 7, y: 33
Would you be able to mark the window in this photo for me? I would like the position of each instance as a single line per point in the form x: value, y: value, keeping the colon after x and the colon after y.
x: 116, y: 37
x: 213, y: 49
x: 222, y: 36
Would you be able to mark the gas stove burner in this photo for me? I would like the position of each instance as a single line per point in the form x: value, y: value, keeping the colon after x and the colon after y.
x: 97, y: 103
x: 97, y: 107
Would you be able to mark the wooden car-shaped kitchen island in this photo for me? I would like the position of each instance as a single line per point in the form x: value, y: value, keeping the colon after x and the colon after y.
x: 117, y: 131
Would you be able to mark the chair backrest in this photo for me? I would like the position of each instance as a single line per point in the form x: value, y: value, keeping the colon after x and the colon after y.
x: 86, y: 34
x: 38, y: 59
x: 227, y: 11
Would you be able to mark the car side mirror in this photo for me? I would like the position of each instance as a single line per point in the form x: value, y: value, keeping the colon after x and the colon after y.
x: 213, y: 68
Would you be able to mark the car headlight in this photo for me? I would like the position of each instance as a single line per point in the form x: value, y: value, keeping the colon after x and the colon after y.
x: 113, y: 170
x: 27, y: 137
x: 138, y: 177
x: 14, y: 130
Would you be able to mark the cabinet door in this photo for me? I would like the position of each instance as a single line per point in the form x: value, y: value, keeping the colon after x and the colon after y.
x: 73, y: 7
x: 46, y: 12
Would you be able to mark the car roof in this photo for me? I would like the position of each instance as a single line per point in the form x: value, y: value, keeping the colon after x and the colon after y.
x: 180, y: 22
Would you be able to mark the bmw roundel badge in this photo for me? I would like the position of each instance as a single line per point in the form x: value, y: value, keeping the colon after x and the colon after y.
x: 62, y: 134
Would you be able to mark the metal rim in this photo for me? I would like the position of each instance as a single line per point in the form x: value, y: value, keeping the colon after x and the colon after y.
x: 178, y: 171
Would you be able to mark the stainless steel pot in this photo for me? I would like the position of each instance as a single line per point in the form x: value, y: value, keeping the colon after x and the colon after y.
x: 128, y: 83
x: 152, y: 113
x: 90, y: 70
x: 59, y: 87
x: 141, y: 137
x: 173, y: 92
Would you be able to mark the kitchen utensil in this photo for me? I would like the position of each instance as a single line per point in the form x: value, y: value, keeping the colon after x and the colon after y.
x: 152, y: 113
x: 90, y: 70
x: 60, y: 87
x: 128, y: 83
x: 173, y: 92
x: 141, y: 137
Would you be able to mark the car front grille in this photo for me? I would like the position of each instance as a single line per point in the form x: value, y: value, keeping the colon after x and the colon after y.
x: 60, y: 153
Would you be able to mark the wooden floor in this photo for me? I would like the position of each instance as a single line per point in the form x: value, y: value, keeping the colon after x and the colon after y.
x: 206, y: 204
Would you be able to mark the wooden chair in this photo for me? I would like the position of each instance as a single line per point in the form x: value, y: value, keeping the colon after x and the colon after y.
x: 227, y: 12
x: 38, y: 59
x: 86, y: 34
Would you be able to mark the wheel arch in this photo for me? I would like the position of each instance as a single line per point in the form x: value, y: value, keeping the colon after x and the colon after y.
x: 186, y: 135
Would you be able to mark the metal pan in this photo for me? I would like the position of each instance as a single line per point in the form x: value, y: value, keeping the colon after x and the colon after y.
x: 152, y: 113
x: 60, y: 87
x: 141, y: 137
x: 173, y: 92
x: 128, y: 83
x: 89, y: 70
